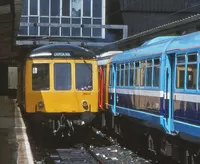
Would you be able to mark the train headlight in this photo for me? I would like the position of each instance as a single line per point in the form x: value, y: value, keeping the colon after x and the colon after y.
x: 40, y: 104
x: 85, y: 104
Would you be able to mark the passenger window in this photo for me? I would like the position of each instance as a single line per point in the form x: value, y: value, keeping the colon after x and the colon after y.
x: 118, y: 74
x: 180, y: 71
x: 40, y: 77
x: 126, y: 74
x: 137, y: 74
x: 149, y: 73
x: 142, y: 71
x: 131, y: 74
x: 122, y: 75
x: 62, y: 76
x: 191, y: 71
x: 156, y: 76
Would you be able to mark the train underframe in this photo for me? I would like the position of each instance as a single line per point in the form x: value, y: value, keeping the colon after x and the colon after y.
x: 154, y: 141
x: 63, y: 124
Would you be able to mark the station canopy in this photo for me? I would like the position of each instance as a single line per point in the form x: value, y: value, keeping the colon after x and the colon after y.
x: 10, y: 12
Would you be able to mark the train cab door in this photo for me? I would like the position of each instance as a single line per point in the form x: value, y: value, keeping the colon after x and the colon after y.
x: 169, y: 92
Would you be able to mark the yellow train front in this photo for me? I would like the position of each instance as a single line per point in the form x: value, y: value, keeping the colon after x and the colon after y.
x: 60, y: 86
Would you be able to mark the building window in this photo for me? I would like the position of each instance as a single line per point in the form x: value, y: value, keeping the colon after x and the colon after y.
x: 62, y: 76
x: 180, y: 71
x: 40, y: 77
x: 54, y: 11
x: 66, y: 8
x: 34, y: 7
x: 87, y: 8
x: 44, y: 11
x: 76, y: 8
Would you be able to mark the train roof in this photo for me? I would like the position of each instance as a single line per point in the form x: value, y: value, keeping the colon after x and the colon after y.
x: 161, y: 45
x: 103, y: 58
x: 62, y: 50
x: 109, y: 53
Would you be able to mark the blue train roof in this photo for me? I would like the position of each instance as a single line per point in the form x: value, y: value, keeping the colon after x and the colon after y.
x: 161, y: 45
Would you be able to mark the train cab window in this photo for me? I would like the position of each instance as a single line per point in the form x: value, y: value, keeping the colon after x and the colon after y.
x: 126, y: 74
x: 110, y: 76
x: 84, y: 78
x: 104, y: 74
x: 137, y: 73
x: 118, y: 74
x: 122, y: 75
x: 156, y: 72
x: 142, y: 73
x: 40, y: 77
x: 180, y: 71
x: 191, y: 71
x: 131, y: 74
x: 149, y: 73
x: 62, y: 76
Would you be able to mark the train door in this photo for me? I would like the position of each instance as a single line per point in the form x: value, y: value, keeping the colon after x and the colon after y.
x: 111, y: 88
x: 114, y: 83
x: 170, y: 82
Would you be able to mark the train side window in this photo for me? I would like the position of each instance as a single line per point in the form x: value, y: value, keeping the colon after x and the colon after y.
x: 131, y: 74
x: 126, y: 74
x: 118, y: 74
x: 180, y: 71
x: 137, y: 73
x: 191, y: 71
x: 199, y: 78
x: 62, y: 76
x: 122, y: 75
x: 40, y: 77
x: 142, y: 73
x: 149, y: 73
x: 156, y: 76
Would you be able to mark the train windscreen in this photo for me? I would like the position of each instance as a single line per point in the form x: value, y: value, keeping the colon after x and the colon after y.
x: 62, y: 76
x: 40, y: 77
x: 84, y: 76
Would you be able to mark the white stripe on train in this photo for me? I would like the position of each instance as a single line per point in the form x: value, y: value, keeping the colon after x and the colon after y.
x: 177, y: 96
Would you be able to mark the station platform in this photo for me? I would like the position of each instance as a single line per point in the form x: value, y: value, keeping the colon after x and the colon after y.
x: 14, y: 144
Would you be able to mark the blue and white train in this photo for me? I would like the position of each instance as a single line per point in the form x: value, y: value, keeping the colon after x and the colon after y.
x: 158, y: 84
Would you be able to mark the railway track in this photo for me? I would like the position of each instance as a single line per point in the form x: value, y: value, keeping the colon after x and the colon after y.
x: 79, y: 154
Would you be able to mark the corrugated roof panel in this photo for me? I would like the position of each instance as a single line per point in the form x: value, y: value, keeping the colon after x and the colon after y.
x: 148, y: 20
x: 160, y: 5
x: 171, y: 44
